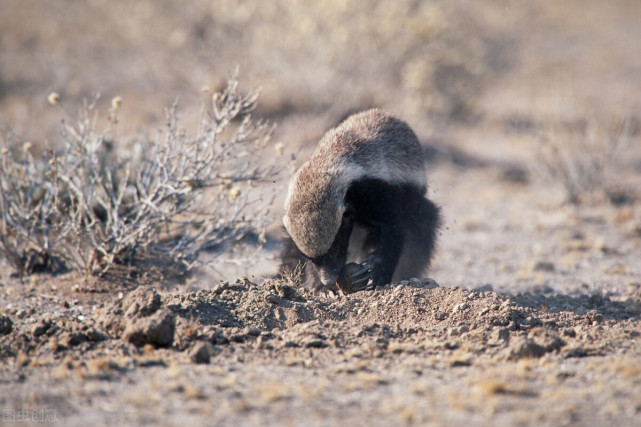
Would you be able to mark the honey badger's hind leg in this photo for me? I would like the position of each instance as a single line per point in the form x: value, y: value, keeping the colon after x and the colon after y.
x: 421, y: 220
x: 374, y: 205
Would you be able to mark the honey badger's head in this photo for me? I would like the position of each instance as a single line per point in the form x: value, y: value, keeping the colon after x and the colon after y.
x: 317, y: 219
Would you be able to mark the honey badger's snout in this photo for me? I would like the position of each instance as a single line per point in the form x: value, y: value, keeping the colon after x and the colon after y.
x: 368, y: 172
x: 328, y: 276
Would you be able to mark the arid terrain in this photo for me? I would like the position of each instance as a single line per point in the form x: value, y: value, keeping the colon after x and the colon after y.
x: 530, y: 314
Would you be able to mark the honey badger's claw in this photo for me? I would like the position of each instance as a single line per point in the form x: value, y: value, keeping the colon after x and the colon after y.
x: 360, y: 284
x: 365, y: 269
x: 362, y: 278
x: 355, y: 277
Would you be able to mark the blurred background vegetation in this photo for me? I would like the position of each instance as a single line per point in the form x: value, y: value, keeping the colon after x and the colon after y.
x: 442, y: 65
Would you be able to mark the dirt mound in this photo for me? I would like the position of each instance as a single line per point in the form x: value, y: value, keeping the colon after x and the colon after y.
x: 266, y: 344
x: 414, y: 316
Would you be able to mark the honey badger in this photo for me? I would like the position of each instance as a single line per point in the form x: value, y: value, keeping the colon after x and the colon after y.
x: 361, y: 196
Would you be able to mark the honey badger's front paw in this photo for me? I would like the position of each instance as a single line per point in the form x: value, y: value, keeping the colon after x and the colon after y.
x: 355, y: 277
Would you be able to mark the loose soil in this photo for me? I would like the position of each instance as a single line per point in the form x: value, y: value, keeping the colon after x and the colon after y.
x: 242, y: 353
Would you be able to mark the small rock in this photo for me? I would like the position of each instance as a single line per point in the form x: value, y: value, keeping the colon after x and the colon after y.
x: 251, y: 330
x: 544, y: 266
x: 501, y: 334
x: 429, y: 283
x: 92, y: 334
x: 200, y: 353
x: 315, y: 343
x: 6, y: 325
x: 141, y: 302
x: 40, y: 328
x: 72, y: 339
x: 215, y: 335
x: 440, y: 315
x: 219, y: 288
x: 285, y: 291
x: 526, y: 349
x: 506, y: 304
x: 595, y: 318
x: 533, y: 321
x: 460, y: 307
x: 157, y: 329
x: 577, y: 352
x: 461, y: 362
x: 272, y: 299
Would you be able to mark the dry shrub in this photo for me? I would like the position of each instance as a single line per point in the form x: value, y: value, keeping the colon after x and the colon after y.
x: 583, y: 157
x: 91, y: 205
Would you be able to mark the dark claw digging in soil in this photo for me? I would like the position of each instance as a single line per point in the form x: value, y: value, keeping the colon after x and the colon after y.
x: 355, y: 277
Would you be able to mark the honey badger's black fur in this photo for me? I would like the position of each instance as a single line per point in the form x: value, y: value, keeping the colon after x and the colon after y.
x: 362, y: 194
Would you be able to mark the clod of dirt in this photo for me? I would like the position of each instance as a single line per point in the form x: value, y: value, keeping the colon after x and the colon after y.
x: 524, y: 348
x: 6, y: 325
x: 285, y: 291
x: 549, y: 341
x: 71, y: 339
x: 200, y: 353
x: 40, y: 328
x: 141, y: 302
x: 157, y: 329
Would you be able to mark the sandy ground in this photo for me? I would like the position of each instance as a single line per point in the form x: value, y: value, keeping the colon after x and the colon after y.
x: 531, y: 313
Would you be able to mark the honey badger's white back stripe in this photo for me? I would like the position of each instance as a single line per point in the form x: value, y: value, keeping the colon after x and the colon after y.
x: 352, y: 172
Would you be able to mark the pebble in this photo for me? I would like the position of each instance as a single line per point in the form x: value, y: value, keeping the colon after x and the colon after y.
x: 441, y: 315
x: 6, y: 325
x: 272, y: 299
x: 460, y: 307
x: 200, y: 353
x: 251, y: 330
x: 40, y: 328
